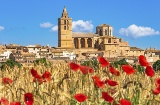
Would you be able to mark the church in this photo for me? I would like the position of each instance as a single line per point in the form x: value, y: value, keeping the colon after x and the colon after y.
x: 102, y: 41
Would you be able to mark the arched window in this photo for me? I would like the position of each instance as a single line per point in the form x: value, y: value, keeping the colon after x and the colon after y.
x: 100, y: 32
x: 65, y: 22
x: 82, y: 43
x: 64, y: 27
x: 106, y: 32
x: 89, y: 41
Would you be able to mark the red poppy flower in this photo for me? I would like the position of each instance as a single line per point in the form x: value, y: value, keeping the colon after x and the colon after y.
x: 156, y: 91
x: 125, y: 102
x: 113, y: 71
x: 15, y: 103
x: 34, y: 73
x: 39, y: 79
x: 80, y: 97
x: 95, y: 78
x: 86, y: 69
x: 74, y: 66
x: 107, y: 97
x: 157, y: 82
x: 28, y: 99
x: 6, y: 80
x: 111, y: 83
x: 143, y: 61
x: 128, y: 69
x: 46, y: 76
x: 149, y: 71
x: 103, y: 62
x: 99, y: 83
x: 4, y: 101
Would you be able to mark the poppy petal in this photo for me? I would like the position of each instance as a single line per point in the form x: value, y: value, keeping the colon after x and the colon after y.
x: 86, y: 69
x: 99, y: 83
x: 128, y: 69
x: 113, y: 71
x: 111, y: 83
x: 47, y: 76
x: 34, y: 73
x: 4, y: 101
x: 125, y: 102
x: 80, y: 97
x: 103, y: 62
x: 157, y: 82
x: 107, y: 97
x: 95, y: 78
x: 15, y: 103
x: 74, y: 66
x: 28, y: 99
x: 149, y: 71
x: 6, y: 80
x: 143, y: 61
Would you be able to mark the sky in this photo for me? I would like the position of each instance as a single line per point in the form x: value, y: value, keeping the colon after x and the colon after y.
x: 29, y: 22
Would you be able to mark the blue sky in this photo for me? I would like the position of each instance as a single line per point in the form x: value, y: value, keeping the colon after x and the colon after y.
x: 28, y: 22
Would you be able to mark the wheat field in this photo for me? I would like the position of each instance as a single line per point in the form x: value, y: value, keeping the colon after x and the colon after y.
x: 66, y: 83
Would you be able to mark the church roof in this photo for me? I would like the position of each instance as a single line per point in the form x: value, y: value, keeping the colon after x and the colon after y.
x: 135, y: 49
x: 84, y: 35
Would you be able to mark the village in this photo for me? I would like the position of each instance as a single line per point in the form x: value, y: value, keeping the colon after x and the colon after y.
x: 78, y: 46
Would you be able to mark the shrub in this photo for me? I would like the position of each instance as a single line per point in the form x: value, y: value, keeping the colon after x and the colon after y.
x: 10, y: 63
x: 42, y: 61
x: 120, y: 62
x: 91, y: 63
x: 156, y: 65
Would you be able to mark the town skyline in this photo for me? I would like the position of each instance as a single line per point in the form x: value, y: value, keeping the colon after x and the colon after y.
x: 26, y: 24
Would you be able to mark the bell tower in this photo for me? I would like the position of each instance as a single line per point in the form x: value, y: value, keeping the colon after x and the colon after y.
x: 65, y: 39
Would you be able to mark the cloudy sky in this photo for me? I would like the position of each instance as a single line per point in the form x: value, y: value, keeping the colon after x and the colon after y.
x: 35, y: 21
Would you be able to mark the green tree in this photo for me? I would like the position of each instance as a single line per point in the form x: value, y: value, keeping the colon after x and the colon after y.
x: 91, y: 63
x: 156, y: 65
x: 139, y: 68
x: 42, y: 61
x: 10, y: 63
x: 120, y: 62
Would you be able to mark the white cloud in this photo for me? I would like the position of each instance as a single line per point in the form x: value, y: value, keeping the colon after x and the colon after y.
x: 1, y: 28
x: 82, y: 26
x: 138, y: 31
x: 55, y: 28
x: 46, y: 25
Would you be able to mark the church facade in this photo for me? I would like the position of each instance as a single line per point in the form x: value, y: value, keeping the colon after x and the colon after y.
x: 102, y: 40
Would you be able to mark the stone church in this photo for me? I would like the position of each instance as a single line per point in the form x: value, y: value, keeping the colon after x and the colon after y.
x: 102, y: 40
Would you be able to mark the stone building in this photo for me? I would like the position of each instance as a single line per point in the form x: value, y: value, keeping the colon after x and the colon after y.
x: 102, y: 40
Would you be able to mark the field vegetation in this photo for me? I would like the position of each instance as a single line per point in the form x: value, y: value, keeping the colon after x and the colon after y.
x: 90, y: 83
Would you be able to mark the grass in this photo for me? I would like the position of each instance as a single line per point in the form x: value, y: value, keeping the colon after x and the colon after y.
x: 66, y: 83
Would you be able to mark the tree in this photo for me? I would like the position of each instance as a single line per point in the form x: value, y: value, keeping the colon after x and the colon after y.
x: 120, y: 62
x: 91, y: 63
x: 42, y: 61
x: 156, y: 65
x: 10, y: 63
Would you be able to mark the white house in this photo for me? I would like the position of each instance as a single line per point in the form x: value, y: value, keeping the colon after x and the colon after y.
x: 6, y: 54
x: 70, y: 55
